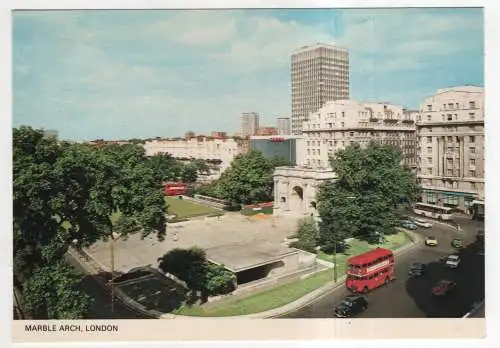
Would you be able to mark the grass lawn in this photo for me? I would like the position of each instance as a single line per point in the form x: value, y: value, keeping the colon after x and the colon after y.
x: 283, y: 294
x: 357, y: 247
x: 262, y: 301
x: 185, y: 209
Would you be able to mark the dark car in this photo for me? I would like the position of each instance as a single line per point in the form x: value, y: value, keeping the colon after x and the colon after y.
x: 457, y: 243
x: 350, y: 306
x: 416, y: 269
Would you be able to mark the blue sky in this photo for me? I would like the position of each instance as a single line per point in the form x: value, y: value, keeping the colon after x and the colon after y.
x: 125, y: 74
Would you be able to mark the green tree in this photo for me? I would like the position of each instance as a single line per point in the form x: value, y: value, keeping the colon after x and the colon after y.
x: 52, y: 292
x: 362, y: 201
x: 201, y: 166
x: 189, y: 173
x: 249, y: 179
x: 218, y: 280
x: 165, y: 167
x: 64, y: 192
x: 308, y: 234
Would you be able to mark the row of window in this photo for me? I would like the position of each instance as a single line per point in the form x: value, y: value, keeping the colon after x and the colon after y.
x: 374, y: 262
x: 472, y: 173
x: 453, y: 106
x: 451, y: 117
x: 472, y: 149
x: 448, y: 129
x: 472, y: 139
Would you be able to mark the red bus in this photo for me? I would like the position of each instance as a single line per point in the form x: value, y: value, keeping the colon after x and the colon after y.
x: 370, y: 270
x: 175, y: 188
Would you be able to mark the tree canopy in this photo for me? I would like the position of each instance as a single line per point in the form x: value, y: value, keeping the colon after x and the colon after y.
x: 68, y: 191
x: 249, y: 179
x: 362, y: 201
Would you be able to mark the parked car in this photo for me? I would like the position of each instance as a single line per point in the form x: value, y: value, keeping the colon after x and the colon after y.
x: 408, y: 225
x: 444, y: 287
x: 417, y: 269
x: 480, y: 236
x: 457, y: 243
x: 421, y: 222
x: 350, y: 306
x: 452, y: 261
x: 431, y: 241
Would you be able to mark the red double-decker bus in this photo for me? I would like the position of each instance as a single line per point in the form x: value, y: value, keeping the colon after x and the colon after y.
x: 175, y: 188
x: 370, y: 270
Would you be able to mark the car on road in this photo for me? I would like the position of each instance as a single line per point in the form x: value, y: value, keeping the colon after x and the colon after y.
x: 457, y: 243
x: 421, y: 222
x: 444, y: 287
x: 350, y: 306
x: 417, y: 269
x: 431, y: 241
x: 452, y: 261
x: 408, y: 225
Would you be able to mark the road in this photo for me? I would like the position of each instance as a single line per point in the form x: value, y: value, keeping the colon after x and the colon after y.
x: 101, y: 308
x: 412, y: 298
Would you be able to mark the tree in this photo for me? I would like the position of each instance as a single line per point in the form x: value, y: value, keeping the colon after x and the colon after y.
x: 201, y: 166
x: 52, y: 293
x: 189, y: 173
x: 65, y: 192
x: 165, y: 167
x: 249, y: 179
x: 362, y: 201
x: 218, y: 280
x: 308, y: 234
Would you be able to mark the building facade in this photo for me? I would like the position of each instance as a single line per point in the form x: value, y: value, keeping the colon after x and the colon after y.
x: 267, y: 131
x: 199, y: 147
x: 288, y: 147
x: 320, y: 73
x: 343, y: 122
x: 451, y: 147
x: 283, y: 125
x: 250, y: 124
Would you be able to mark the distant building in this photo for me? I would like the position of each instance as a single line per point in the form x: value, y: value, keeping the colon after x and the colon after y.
x: 288, y: 147
x: 450, y: 134
x: 267, y: 131
x: 250, y: 124
x: 189, y: 134
x: 283, y: 125
x: 50, y: 133
x: 320, y: 73
x: 343, y: 122
x: 218, y: 135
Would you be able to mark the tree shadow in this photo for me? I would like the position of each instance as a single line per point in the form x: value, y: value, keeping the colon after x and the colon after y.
x: 470, y: 285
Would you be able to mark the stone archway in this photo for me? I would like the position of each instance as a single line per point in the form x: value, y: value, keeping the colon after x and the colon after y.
x: 297, y: 198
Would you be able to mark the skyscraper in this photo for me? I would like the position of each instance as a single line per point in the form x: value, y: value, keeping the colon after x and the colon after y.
x: 320, y: 73
x: 283, y: 125
x: 250, y: 123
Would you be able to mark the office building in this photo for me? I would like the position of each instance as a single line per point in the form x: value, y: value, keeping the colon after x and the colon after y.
x: 283, y: 125
x: 450, y: 135
x: 288, y: 147
x: 320, y: 73
x: 250, y: 124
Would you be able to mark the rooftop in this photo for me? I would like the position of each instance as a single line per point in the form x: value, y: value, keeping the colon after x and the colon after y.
x: 318, y: 45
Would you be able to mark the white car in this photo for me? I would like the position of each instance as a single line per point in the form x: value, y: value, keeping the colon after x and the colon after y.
x: 421, y: 223
x: 452, y: 261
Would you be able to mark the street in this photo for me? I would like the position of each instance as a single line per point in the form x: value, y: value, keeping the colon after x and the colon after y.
x: 412, y: 298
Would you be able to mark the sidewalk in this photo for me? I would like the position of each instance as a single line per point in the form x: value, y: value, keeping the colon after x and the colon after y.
x: 310, y: 297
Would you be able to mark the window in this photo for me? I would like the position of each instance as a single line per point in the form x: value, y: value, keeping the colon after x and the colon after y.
x: 429, y: 160
x: 429, y: 140
x: 472, y: 105
x: 457, y: 106
x: 449, y: 172
x: 343, y: 113
x: 472, y: 162
x: 308, y: 151
x: 472, y: 173
x: 308, y: 143
x: 429, y: 117
x: 472, y: 139
x: 442, y: 116
x: 351, y: 134
x: 429, y: 149
x: 429, y: 107
x: 319, y: 153
x: 444, y: 106
x: 449, y: 117
x: 472, y: 150
x: 342, y: 124
x: 329, y: 125
x: 429, y: 171
x: 472, y: 116
x: 450, y: 162
x: 450, y: 105
x: 449, y: 138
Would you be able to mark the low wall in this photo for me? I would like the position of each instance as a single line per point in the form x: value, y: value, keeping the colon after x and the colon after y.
x: 201, y: 200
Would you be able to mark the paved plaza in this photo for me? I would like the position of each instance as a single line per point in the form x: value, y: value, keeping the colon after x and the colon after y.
x: 230, y: 231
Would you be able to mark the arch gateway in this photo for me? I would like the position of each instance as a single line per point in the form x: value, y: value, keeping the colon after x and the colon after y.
x: 295, y: 189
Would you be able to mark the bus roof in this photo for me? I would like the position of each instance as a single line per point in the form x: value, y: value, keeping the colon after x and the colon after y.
x: 432, y: 206
x: 368, y: 256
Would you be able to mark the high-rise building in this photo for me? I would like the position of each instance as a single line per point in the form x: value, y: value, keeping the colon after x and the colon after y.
x: 340, y: 123
x: 320, y: 73
x: 250, y: 124
x: 450, y: 135
x: 283, y: 125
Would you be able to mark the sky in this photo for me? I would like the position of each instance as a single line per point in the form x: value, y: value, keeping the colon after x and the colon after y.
x: 135, y: 74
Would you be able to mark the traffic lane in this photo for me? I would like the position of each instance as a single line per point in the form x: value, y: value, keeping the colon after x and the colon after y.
x: 101, y: 307
x: 470, y: 285
x: 393, y: 300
